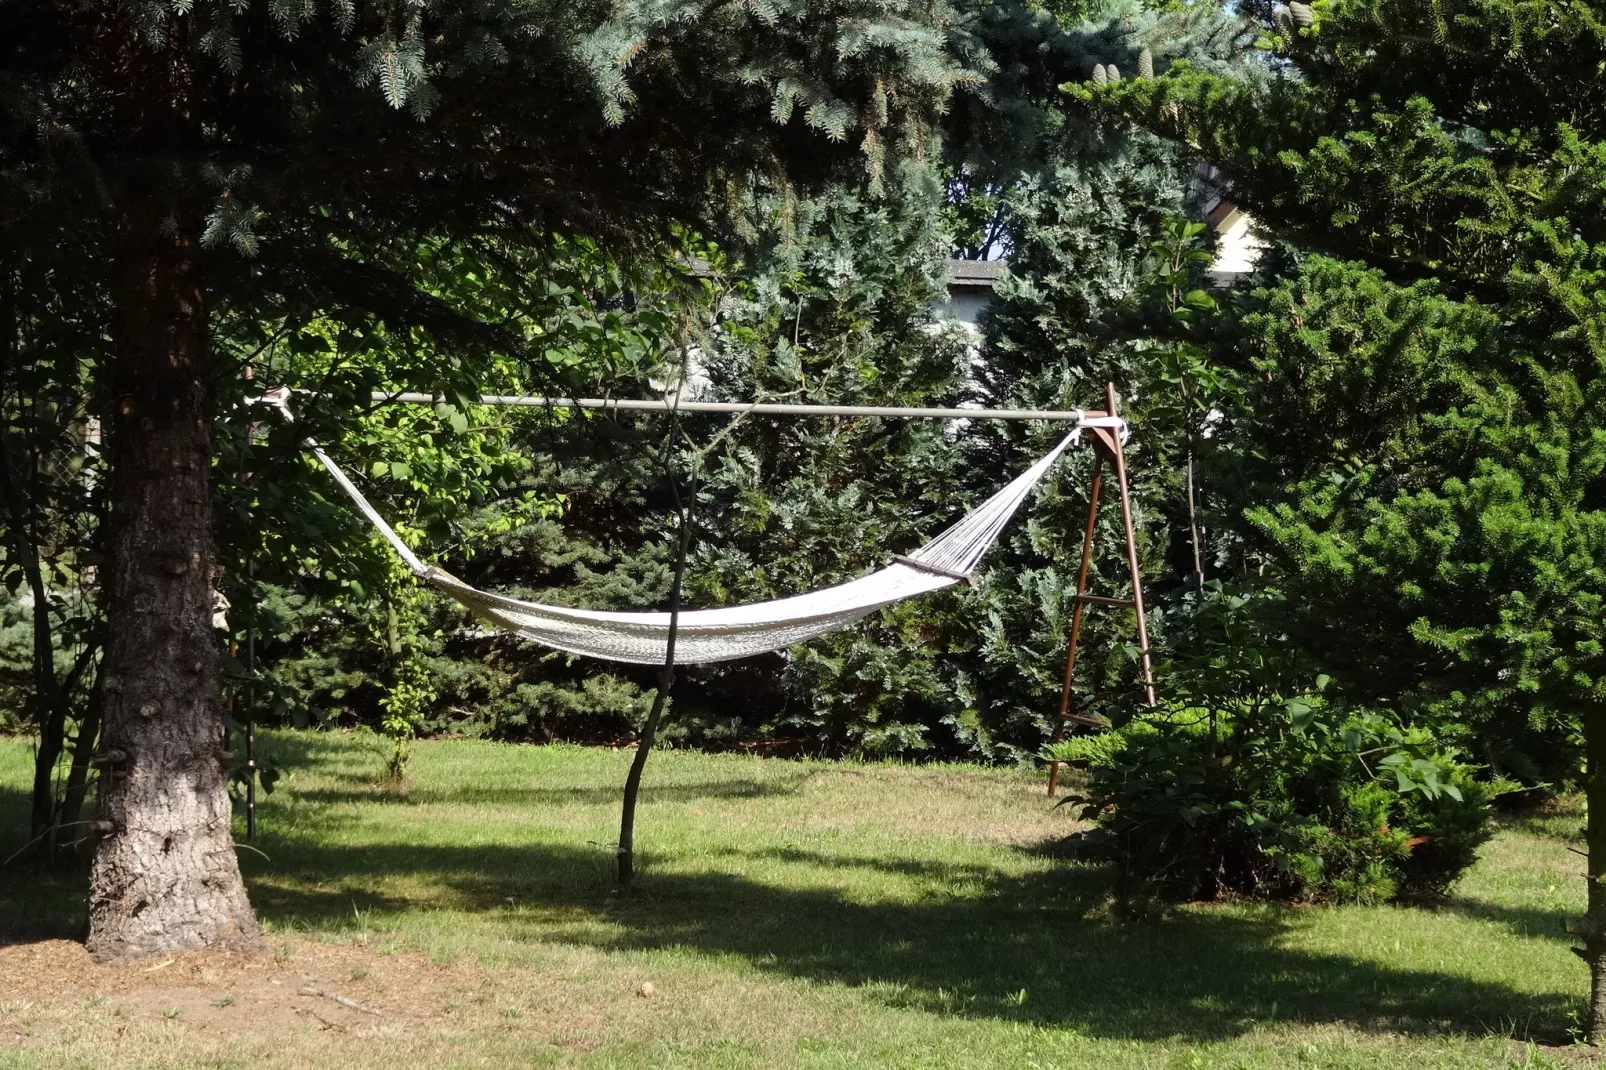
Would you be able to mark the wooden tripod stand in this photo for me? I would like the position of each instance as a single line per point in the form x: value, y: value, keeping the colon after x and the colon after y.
x: 1106, y: 447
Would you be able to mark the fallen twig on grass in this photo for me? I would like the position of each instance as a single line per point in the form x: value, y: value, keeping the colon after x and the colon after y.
x: 327, y: 1023
x: 313, y: 990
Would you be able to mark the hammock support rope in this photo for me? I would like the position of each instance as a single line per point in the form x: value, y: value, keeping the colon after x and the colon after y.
x: 709, y: 635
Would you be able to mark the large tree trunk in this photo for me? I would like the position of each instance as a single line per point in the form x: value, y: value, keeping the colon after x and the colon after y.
x: 165, y: 876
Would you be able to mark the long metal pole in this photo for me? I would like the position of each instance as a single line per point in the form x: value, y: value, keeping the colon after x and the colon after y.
x: 250, y: 698
x: 1076, y: 616
x: 250, y: 642
x: 1131, y: 550
x: 767, y: 408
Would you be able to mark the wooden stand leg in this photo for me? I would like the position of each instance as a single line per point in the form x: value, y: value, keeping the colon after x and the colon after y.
x: 1106, y: 443
x: 1076, y: 617
x: 1131, y: 551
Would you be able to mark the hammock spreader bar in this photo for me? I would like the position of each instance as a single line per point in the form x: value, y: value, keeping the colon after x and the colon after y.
x: 761, y: 408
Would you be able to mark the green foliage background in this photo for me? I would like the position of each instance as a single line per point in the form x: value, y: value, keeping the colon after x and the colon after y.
x: 1302, y: 445
x: 826, y: 297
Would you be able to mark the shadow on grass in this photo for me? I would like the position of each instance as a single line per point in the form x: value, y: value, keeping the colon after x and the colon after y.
x: 1538, y: 922
x: 974, y: 943
x: 37, y: 901
x: 341, y: 757
x: 548, y: 797
x: 1561, y: 820
x: 357, y: 763
x: 1201, y: 976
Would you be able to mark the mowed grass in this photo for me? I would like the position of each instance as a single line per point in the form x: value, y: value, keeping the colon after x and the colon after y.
x: 795, y: 914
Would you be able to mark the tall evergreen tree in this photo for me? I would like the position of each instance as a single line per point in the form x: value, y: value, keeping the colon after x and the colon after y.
x: 1447, y: 499
x: 844, y: 312
x: 241, y: 150
x: 831, y: 297
x: 1083, y: 224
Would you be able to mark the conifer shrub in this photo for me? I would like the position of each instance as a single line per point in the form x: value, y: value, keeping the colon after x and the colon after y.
x: 1242, y: 783
x: 1305, y: 805
x: 16, y: 653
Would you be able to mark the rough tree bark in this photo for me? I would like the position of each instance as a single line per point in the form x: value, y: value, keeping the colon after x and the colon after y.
x: 164, y: 876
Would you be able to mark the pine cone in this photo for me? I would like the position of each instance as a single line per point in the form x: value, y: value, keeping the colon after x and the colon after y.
x: 1145, y: 64
x: 1112, y: 72
x: 1100, y: 75
x: 1302, y: 13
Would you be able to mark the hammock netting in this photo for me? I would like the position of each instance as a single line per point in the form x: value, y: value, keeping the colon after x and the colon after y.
x: 705, y: 635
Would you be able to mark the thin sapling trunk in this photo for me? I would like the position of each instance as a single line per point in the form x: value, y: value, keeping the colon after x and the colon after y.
x: 20, y: 511
x: 666, y: 675
x: 83, y: 750
x: 1591, y: 928
x: 51, y: 711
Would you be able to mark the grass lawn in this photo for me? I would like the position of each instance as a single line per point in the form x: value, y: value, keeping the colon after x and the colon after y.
x: 790, y: 915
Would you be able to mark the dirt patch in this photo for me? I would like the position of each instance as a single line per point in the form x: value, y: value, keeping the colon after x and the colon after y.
x: 341, y: 988
x: 328, y: 1006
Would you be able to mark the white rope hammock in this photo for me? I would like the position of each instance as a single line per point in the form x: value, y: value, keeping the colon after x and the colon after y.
x: 705, y: 635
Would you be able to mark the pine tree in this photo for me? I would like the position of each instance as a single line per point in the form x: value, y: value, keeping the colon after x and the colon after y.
x: 842, y: 312
x: 1458, y: 151
x: 247, y: 151
x: 1081, y: 224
